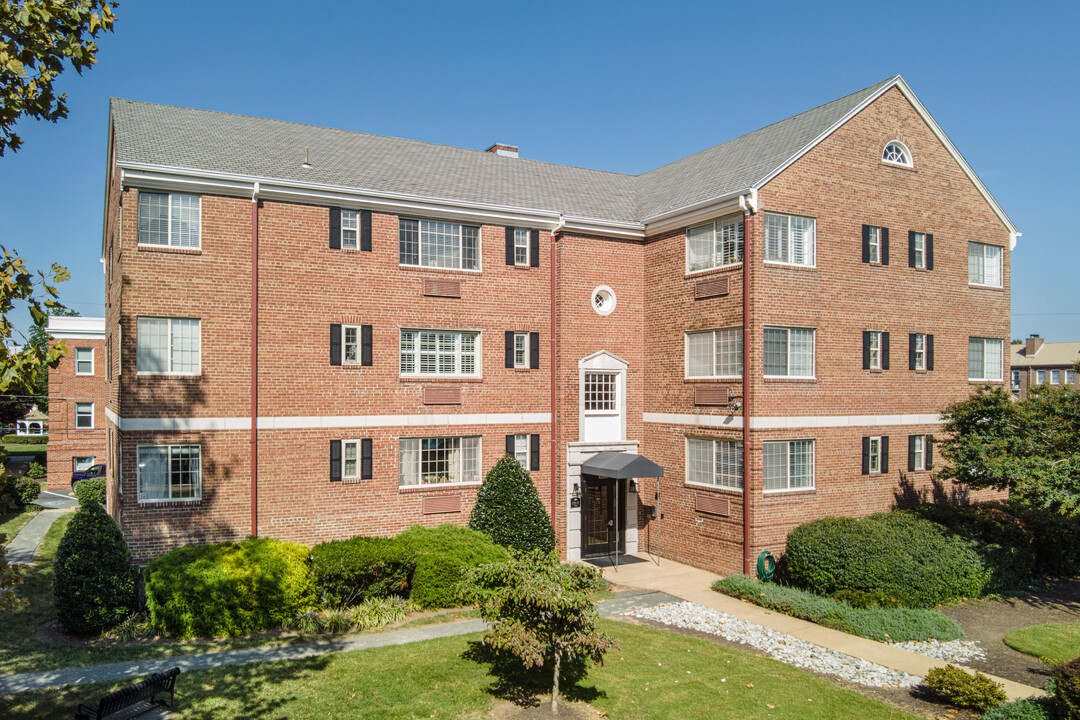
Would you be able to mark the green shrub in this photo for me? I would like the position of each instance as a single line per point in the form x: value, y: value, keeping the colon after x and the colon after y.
x: 377, y: 612
x: 27, y: 489
x: 94, y: 581
x: 442, y: 555
x: 965, y: 690
x: 1020, y: 710
x: 36, y: 470
x: 875, y: 599
x: 90, y: 490
x: 876, y: 623
x: 229, y: 589
x: 350, y: 571
x: 1056, y: 538
x: 896, y: 553
x: 508, y: 509
x: 25, y: 439
x: 1067, y: 689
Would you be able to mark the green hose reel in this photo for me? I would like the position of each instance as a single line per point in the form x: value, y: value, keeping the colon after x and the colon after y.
x: 766, y: 566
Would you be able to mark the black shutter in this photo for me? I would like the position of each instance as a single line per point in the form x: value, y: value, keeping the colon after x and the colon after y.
x: 929, y: 251
x: 534, y: 350
x: 911, y: 350
x: 884, y: 453
x: 884, y: 351
x: 509, y: 348
x: 335, y: 344
x: 866, y: 350
x: 929, y: 352
x: 928, y: 460
x: 335, y: 461
x: 534, y: 248
x: 365, y: 345
x: 365, y: 230
x: 510, y: 246
x: 365, y: 459
x: 510, y: 445
x: 335, y: 228
x: 866, y: 243
x: 866, y: 456
x: 911, y: 248
x: 884, y: 246
x: 911, y: 452
x: 534, y: 452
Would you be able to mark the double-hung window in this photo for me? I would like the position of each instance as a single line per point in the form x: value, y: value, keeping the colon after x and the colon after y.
x: 437, y: 244
x: 84, y: 361
x: 521, y: 450
x: 714, y: 353
x: 919, y: 452
x: 919, y: 351
x: 984, y: 264
x: 790, y: 239
x: 874, y: 349
x: 601, y: 392
x: 521, y: 246
x: 521, y: 350
x: 1015, y: 377
x: 439, y: 352
x: 1040, y: 377
x: 875, y: 458
x: 873, y: 244
x: 168, y: 346
x: 716, y: 244
x: 1070, y: 377
x: 350, y: 229
x: 984, y: 358
x: 84, y: 416
x: 439, y: 461
x: 1055, y: 377
x: 169, y: 219
x: 787, y: 464
x: 169, y: 472
x: 918, y: 250
x: 789, y: 352
x: 714, y: 462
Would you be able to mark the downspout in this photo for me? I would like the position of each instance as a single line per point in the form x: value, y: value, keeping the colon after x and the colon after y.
x: 748, y: 210
x: 554, y: 385
x: 255, y: 360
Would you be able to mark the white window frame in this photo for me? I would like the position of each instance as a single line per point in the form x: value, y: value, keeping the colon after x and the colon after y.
x: 1014, y: 379
x: 719, y: 241
x: 875, y: 349
x: 873, y: 460
x: 787, y: 460
x: 887, y: 157
x: 82, y: 412
x: 719, y: 476
x: 356, y: 459
x: 714, y: 357
x: 423, y: 260
x: 78, y: 361
x: 874, y: 243
x: 169, y: 348
x: 521, y: 247
x: 809, y: 250
x: 1070, y: 377
x: 813, y: 349
x: 1000, y: 359
x: 458, y: 354
x: 521, y: 449
x: 980, y: 267
x: 170, y: 241
x: 350, y: 223
x: 521, y: 350
x: 409, y: 477
x: 920, y: 351
x: 85, y: 466
x: 919, y: 241
x: 170, y: 448
x: 1055, y: 377
x: 1040, y: 377
x: 356, y: 331
x: 611, y: 382
x: 920, y: 453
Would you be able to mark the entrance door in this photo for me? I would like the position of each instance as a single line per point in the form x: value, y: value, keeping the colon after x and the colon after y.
x: 604, y: 517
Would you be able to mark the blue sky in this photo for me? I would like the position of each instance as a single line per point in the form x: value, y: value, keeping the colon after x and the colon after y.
x: 622, y: 86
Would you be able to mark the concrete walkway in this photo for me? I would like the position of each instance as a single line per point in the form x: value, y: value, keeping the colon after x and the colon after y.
x: 695, y: 586
x: 22, y: 549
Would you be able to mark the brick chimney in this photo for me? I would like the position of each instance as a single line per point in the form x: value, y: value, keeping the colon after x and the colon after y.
x: 503, y: 149
x: 1032, y: 345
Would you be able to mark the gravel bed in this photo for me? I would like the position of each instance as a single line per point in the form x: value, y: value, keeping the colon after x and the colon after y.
x: 783, y: 647
x: 953, y: 651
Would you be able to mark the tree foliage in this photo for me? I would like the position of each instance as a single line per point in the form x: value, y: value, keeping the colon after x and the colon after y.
x: 36, y: 38
x: 540, y: 611
x: 509, y: 509
x: 1029, y: 447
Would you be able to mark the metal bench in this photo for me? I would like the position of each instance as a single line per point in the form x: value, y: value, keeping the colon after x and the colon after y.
x: 136, y: 700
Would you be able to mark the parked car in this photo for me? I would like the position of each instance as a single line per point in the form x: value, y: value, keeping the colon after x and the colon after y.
x: 94, y: 471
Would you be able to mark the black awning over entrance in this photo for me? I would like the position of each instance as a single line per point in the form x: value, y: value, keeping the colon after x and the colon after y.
x: 621, y: 465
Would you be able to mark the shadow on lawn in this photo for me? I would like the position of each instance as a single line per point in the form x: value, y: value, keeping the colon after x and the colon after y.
x: 521, y: 686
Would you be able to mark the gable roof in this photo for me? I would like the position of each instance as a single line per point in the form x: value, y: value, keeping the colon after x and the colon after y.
x: 1049, y: 354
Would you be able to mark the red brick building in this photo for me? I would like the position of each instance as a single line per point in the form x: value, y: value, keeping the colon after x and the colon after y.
x: 319, y: 333
x: 77, y: 393
x: 1035, y: 362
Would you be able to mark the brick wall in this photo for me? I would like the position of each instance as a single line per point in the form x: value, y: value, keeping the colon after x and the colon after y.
x: 66, y: 388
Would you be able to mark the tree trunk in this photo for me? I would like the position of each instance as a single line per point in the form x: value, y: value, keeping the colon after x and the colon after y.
x: 555, y: 685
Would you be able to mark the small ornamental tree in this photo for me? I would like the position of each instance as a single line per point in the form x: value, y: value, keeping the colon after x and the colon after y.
x: 508, y: 509
x: 540, y: 611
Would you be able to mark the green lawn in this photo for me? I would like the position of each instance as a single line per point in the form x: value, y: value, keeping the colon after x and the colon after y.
x: 1057, y: 642
x: 11, y: 523
x: 655, y: 674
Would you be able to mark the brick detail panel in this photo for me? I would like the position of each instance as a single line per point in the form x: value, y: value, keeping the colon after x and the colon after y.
x: 442, y: 396
x: 711, y: 396
x: 712, y: 505
x: 440, y: 504
x: 436, y: 287
x: 712, y: 287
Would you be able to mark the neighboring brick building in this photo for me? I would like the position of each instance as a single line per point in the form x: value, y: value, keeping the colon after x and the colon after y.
x: 77, y: 392
x: 421, y: 309
x: 1035, y: 362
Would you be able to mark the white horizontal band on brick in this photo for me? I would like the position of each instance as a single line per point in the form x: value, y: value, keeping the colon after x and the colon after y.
x: 183, y: 424
x: 788, y: 423
x: 333, y: 421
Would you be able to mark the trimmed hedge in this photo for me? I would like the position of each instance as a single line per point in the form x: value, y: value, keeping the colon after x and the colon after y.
x: 90, y: 490
x: 508, y: 509
x: 351, y: 571
x: 25, y: 439
x: 1067, y: 689
x: 27, y: 489
x: 442, y: 555
x: 913, y: 559
x: 229, y: 589
x: 94, y: 580
x: 876, y: 623
x: 1056, y: 537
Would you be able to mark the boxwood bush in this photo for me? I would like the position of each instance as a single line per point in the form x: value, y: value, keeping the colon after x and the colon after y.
x: 442, y: 555
x: 508, y: 509
x: 94, y: 580
x: 27, y: 489
x: 964, y: 689
x: 351, y: 571
x: 229, y: 589
x: 911, y: 558
x: 90, y: 490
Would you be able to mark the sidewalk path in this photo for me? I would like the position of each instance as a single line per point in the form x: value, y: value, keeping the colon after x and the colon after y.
x: 22, y: 549
x: 26, y: 682
x: 695, y: 586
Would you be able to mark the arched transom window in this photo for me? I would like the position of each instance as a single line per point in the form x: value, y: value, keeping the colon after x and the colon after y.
x: 896, y: 153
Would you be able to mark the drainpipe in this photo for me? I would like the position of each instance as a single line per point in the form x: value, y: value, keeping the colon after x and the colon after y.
x: 748, y: 561
x: 554, y: 385
x: 255, y: 360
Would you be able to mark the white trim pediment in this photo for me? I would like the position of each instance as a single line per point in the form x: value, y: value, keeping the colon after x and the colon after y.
x: 602, y: 360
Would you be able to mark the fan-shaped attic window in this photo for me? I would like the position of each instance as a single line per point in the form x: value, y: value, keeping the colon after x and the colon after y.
x: 896, y: 153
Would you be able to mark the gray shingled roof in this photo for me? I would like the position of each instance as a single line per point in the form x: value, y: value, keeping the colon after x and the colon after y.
x: 175, y: 137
